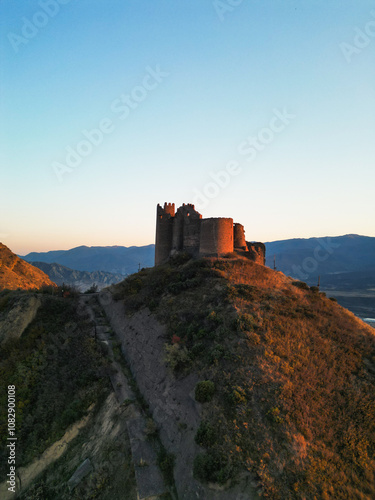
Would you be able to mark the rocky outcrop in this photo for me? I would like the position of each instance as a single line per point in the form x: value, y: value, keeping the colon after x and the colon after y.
x: 25, y: 475
x: 18, y: 318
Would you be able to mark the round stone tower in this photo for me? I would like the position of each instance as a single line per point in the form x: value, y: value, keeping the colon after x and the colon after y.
x: 216, y: 236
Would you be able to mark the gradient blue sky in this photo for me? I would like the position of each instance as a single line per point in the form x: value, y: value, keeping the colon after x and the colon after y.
x: 226, y: 76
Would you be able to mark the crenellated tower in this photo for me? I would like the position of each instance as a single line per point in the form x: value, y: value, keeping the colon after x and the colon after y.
x: 184, y: 230
x: 164, y: 232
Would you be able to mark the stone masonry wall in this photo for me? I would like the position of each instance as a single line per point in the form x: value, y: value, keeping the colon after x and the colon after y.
x: 257, y: 252
x: 239, y: 236
x: 186, y: 231
x: 216, y: 236
x: 164, y: 232
x: 191, y: 236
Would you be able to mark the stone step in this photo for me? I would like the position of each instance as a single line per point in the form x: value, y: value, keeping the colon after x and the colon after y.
x: 120, y: 384
x: 150, y: 482
x: 81, y: 472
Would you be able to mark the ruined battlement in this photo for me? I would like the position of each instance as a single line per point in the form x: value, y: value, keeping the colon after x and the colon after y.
x: 168, y: 210
x: 185, y: 230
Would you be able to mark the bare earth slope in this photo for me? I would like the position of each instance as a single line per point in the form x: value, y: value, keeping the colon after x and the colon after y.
x: 17, y: 273
x: 291, y: 392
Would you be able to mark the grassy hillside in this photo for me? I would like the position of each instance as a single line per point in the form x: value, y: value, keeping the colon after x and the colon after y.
x: 56, y: 368
x: 17, y: 273
x: 288, y: 376
x: 345, y: 264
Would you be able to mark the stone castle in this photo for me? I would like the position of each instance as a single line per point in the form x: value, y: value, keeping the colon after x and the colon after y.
x: 186, y: 231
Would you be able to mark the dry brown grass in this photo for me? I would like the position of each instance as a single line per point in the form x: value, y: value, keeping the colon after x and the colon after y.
x: 15, y: 273
x: 294, y: 374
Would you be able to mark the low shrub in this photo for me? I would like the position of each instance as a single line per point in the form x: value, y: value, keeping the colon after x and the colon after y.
x: 4, y: 301
x: 176, y: 357
x: 245, y: 322
x: 151, y: 429
x: 217, y: 352
x: 204, y: 391
x: 93, y: 288
x: 132, y: 286
x: 301, y: 284
x: 206, y: 435
x: 212, y: 466
x: 238, y: 396
x: 166, y: 462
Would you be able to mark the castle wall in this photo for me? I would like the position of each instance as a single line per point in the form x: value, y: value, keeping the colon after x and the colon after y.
x: 257, y: 252
x: 216, y: 236
x: 186, y: 231
x: 164, y: 232
x: 191, y: 236
x: 239, y: 236
x: 178, y: 234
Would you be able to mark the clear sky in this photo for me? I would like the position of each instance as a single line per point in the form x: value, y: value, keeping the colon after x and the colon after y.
x: 260, y: 110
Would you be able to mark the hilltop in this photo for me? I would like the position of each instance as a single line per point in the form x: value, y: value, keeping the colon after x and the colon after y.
x: 345, y: 264
x: 16, y: 273
x: 249, y: 382
x: 287, y: 377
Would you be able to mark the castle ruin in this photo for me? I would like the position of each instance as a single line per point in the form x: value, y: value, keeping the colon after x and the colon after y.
x: 184, y: 230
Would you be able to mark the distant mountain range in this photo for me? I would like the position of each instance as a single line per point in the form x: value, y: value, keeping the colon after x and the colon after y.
x: 82, y: 280
x: 345, y: 265
x: 318, y: 256
x: 16, y: 273
x: 114, y: 259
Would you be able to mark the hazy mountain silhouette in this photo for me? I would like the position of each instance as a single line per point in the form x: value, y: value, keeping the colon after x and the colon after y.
x: 332, y: 255
x: 113, y: 259
x: 82, y: 280
x: 345, y: 264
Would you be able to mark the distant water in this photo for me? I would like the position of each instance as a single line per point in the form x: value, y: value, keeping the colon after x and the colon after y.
x: 369, y: 321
